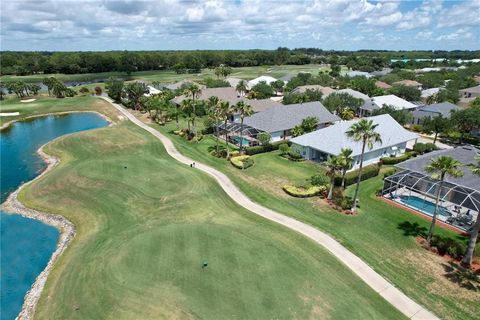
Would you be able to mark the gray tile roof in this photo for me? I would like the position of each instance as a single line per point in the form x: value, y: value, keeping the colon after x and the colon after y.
x: 465, y: 154
x: 434, y: 110
x: 354, y: 93
x: 285, y: 117
x: 227, y: 94
x: 333, y: 138
x: 178, y: 85
x: 315, y: 87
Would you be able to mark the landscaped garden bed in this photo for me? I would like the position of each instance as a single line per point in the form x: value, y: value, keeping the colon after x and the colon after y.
x: 242, y: 162
x: 304, y: 192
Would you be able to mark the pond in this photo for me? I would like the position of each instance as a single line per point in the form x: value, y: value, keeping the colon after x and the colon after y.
x: 26, y: 244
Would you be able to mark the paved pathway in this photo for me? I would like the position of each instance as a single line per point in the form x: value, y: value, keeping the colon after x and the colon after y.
x: 390, y: 293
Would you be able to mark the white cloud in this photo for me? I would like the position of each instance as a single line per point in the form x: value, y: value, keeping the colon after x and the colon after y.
x: 342, y: 24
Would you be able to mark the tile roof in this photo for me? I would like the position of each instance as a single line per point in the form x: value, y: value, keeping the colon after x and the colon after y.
x: 408, y: 83
x: 382, y: 85
x: 285, y: 117
x: 378, y: 102
x: 178, y: 85
x: 465, y: 154
x: 333, y: 138
x: 434, y: 110
x: 354, y: 93
x: 324, y: 90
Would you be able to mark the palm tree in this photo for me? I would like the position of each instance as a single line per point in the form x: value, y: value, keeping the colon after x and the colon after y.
x: 214, y: 113
x: 241, y: 87
x: 245, y: 110
x: 333, y: 166
x: 193, y: 91
x: 346, y: 162
x: 364, y: 131
x: 187, y: 106
x: 225, y: 113
x: 438, y: 168
x: 472, y: 241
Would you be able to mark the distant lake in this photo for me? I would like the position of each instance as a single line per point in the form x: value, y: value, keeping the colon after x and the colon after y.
x: 26, y: 245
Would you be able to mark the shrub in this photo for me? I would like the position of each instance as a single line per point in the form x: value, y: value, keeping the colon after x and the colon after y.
x: 351, y: 177
x: 284, y: 148
x: 98, y: 91
x: 264, y: 138
x: 84, y: 90
x: 449, y: 246
x: 208, y: 124
x: 234, y: 154
x: 293, y: 155
x: 389, y: 172
x: 342, y: 201
x: 319, y: 180
x: 417, y: 128
x: 395, y: 160
x: 266, y: 148
x: 304, y: 192
x: 419, y: 147
x: 241, y: 162
x: 429, y: 147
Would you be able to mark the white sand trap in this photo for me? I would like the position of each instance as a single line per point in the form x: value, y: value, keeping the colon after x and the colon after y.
x: 27, y: 100
x: 9, y: 114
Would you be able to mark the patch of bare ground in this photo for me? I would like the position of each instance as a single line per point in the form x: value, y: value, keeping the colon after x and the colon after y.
x: 319, y: 308
x: 450, y: 279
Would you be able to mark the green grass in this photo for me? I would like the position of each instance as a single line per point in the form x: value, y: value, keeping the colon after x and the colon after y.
x: 45, y: 105
x: 145, y: 224
x: 166, y: 76
x: 379, y: 234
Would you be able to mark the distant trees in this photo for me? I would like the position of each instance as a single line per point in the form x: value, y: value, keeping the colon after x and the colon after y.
x: 223, y: 71
x: 465, y: 120
x: 21, y: 89
x: 339, y: 102
x: 401, y: 116
x: 216, y: 83
x: 436, y: 125
x: 307, y: 96
x: 115, y: 89
x: 405, y: 92
x: 262, y: 90
x: 307, y: 125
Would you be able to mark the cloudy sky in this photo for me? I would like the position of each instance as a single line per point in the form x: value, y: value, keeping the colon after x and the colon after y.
x: 68, y: 25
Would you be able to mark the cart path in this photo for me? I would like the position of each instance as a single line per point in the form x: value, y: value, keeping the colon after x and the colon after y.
x: 388, y: 291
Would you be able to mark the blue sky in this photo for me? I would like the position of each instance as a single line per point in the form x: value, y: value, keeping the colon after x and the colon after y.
x: 70, y: 25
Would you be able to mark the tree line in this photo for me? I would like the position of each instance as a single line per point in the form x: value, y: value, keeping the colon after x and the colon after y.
x: 26, y: 63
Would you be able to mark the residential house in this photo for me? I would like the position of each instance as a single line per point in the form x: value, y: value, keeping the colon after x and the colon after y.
x: 472, y: 92
x: 329, y: 141
x: 353, y: 74
x: 375, y: 103
x: 443, y: 109
x: 226, y: 94
x: 286, y: 78
x: 324, y: 90
x: 280, y: 120
x: 382, y: 85
x: 152, y: 91
x: 233, y: 81
x: 183, y: 83
x: 266, y: 79
x: 427, y: 93
x: 409, y: 83
x: 355, y: 94
x: 381, y: 73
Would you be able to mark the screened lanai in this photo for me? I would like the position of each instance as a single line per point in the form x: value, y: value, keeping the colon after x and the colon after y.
x: 459, y: 203
x: 235, y: 133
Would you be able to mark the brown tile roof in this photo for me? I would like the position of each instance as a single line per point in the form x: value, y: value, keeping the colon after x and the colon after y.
x: 408, y: 83
x: 382, y: 85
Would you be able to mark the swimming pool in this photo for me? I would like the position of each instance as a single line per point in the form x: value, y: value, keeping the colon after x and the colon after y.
x: 424, y: 206
x: 238, y: 139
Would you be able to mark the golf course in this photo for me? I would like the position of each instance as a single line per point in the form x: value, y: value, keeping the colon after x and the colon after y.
x: 157, y: 239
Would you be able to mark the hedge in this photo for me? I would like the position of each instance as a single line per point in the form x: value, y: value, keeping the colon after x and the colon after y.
x: 241, y: 162
x: 266, y: 148
x: 395, y: 160
x: 351, y: 177
x: 304, y: 192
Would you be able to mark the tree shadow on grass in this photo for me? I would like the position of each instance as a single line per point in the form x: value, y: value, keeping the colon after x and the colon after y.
x: 464, y: 277
x: 412, y: 229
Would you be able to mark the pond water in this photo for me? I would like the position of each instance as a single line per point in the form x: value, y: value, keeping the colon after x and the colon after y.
x: 25, y: 244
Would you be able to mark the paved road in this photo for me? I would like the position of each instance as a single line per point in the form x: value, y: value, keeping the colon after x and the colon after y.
x: 404, y: 304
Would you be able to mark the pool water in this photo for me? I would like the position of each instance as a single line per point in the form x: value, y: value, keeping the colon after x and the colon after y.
x: 238, y: 139
x: 424, y: 206
x: 26, y: 245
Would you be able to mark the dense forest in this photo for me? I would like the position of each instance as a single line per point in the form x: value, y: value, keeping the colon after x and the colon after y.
x: 26, y: 63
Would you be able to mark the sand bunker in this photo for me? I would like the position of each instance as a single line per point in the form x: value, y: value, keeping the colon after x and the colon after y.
x: 9, y: 114
x: 27, y: 100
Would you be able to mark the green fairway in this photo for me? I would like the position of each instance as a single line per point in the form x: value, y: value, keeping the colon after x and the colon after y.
x: 45, y: 105
x: 380, y: 234
x: 166, y: 76
x: 145, y: 225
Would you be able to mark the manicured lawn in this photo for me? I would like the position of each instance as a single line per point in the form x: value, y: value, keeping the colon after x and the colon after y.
x: 145, y: 224
x: 45, y: 105
x: 380, y: 234
x: 170, y: 76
